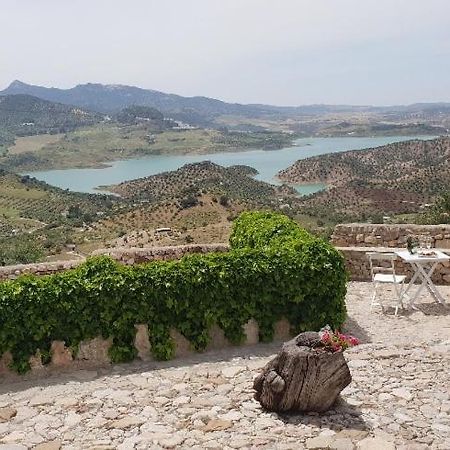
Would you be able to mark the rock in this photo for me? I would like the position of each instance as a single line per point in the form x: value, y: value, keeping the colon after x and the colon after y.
x: 72, y: 419
x: 239, y: 443
x: 15, y: 436
x: 12, y: 447
x: 376, y: 443
x: 172, y: 442
x: 217, y: 425
x: 232, y: 415
x: 441, y: 428
x: 319, y: 443
x: 50, y: 445
x: 126, y: 422
x: 402, y: 393
x: 355, y: 435
x: 41, y: 400
x: 402, y: 418
x: 357, y: 363
x: 232, y: 371
x: 25, y: 413
x: 412, y: 446
x: 263, y: 423
x: 181, y: 400
x: 342, y: 444
x: 7, y: 413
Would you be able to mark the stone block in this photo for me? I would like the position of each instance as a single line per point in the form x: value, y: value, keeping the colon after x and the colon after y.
x: 251, y: 330
x: 371, y: 240
x: 217, y: 338
x: 5, y: 362
x: 61, y: 355
x: 282, y: 330
x: 182, y: 345
x: 142, y: 342
x: 95, y: 350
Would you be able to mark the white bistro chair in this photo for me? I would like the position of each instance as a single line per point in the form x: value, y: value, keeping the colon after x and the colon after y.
x: 382, y: 271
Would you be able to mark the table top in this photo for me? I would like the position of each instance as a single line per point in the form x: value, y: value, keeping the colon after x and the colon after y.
x: 406, y: 256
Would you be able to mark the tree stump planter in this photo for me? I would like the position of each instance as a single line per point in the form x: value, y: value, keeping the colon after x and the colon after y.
x: 301, y: 378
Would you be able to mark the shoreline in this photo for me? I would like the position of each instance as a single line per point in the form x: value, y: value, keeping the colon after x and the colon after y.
x: 268, y: 164
x: 110, y: 162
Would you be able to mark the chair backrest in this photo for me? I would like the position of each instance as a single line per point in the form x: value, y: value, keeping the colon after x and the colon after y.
x: 381, y: 263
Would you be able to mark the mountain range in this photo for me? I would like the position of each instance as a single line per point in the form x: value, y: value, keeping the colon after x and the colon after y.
x: 109, y: 99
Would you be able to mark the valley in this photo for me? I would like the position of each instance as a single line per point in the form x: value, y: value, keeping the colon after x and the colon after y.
x: 119, y: 164
x: 41, y: 135
x: 97, y: 147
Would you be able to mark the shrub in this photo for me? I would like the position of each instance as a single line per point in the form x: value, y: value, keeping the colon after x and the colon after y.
x: 188, y: 202
x: 224, y: 200
x: 257, y: 229
x: 104, y: 298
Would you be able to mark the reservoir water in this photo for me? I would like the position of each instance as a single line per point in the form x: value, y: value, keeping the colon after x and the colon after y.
x: 268, y: 163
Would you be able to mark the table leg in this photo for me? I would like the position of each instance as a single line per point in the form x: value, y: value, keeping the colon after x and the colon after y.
x: 417, y: 274
x: 429, y: 283
x: 411, y: 282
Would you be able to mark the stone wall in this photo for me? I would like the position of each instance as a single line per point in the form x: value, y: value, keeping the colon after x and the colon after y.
x: 381, y: 235
x: 357, y: 264
x: 94, y: 353
x: 123, y: 255
x: 354, y: 240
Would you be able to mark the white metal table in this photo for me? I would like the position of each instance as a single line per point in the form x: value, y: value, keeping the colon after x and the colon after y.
x: 423, y: 266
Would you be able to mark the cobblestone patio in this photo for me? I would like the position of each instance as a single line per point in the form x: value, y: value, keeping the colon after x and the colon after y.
x: 399, y: 397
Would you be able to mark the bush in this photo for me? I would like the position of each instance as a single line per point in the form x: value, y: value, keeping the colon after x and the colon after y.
x: 104, y: 298
x: 188, y: 202
x: 266, y: 229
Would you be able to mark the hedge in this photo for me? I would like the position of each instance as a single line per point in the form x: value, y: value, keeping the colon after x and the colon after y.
x: 273, y: 270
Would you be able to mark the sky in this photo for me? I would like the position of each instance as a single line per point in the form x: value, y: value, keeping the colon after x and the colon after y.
x: 282, y: 52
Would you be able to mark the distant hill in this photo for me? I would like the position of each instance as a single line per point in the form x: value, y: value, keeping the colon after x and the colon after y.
x: 24, y: 115
x: 205, y: 111
x: 190, y: 181
x: 112, y: 98
x: 400, y: 164
x: 390, y: 179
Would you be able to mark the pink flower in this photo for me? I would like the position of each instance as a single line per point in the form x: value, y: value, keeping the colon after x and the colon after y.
x: 336, y: 348
x: 335, y: 341
x: 325, y: 336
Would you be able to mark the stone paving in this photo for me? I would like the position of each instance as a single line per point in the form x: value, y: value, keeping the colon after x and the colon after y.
x: 399, y: 397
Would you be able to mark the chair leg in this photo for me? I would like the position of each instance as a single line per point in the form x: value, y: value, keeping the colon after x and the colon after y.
x: 372, y: 303
x: 374, y: 298
x: 399, y: 298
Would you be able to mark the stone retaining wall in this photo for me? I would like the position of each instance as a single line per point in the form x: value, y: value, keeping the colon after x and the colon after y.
x: 380, y: 235
x: 357, y: 264
x: 123, y: 255
x: 94, y: 353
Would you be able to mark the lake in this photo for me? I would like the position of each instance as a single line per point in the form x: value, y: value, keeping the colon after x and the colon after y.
x: 267, y: 162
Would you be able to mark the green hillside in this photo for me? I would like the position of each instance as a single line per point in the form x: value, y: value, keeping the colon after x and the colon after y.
x: 27, y: 115
x: 393, y: 179
x: 37, y: 219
